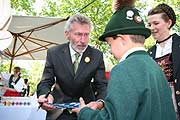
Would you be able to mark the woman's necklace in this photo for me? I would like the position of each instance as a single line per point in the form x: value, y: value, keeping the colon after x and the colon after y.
x: 163, y: 40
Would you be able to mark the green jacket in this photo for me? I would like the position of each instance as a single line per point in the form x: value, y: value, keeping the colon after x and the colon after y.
x: 137, y: 90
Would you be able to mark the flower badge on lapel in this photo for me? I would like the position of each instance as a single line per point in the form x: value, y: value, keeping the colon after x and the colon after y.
x: 87, y: 59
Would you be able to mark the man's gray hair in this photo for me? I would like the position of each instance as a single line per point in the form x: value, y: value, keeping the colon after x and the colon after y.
x: 77, y: 18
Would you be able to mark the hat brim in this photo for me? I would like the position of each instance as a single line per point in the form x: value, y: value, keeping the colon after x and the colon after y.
x: 130, y: 30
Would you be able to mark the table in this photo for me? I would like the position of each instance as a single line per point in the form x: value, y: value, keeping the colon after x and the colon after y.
x: 21, y: 113
x: 20, y: 108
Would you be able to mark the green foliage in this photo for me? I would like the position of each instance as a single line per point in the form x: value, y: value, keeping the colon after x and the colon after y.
x: 23, y: 6
x: 35, y: 74
x: 4, y: 66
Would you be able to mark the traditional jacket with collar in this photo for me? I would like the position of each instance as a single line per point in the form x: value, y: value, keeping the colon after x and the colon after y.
x: 176, y: 65
x: 137, y: 90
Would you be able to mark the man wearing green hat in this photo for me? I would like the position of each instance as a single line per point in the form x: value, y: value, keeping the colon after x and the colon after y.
x: 137, y: 89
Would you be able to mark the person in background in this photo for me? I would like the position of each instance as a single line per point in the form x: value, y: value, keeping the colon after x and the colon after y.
x: 15, y: 83
x: 72, y: 80
x: 26, y: 88
x: 137, y: 89
x: 167, y: 48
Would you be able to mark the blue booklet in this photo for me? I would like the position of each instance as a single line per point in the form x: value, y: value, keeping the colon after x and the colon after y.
x: 66, y: 105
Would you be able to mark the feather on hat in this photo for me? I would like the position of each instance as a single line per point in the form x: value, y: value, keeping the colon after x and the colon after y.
x: 118, y: 4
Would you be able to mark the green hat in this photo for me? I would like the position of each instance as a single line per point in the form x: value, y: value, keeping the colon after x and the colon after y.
x: 125, y: 21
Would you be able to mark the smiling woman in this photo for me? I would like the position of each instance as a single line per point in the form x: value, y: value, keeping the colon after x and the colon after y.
x: 166, y: 51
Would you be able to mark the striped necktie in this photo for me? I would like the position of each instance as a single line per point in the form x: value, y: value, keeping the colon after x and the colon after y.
x: 76, y: 62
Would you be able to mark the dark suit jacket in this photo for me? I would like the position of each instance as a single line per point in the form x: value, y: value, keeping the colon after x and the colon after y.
x: 70, y: 86
x: 176, y: 65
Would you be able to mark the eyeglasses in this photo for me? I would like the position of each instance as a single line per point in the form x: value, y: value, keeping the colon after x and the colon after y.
x: 80, y: 35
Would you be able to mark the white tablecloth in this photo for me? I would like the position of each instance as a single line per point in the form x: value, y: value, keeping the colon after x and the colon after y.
x: 21, y: 113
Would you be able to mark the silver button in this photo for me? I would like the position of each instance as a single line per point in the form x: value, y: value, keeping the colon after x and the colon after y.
x: 175, y: 80
x: 177, y: 92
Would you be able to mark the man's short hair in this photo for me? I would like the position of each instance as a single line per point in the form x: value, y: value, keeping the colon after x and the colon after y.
x: 77, y: 18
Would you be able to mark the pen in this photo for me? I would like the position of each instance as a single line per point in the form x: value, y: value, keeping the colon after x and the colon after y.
x: 45, y: 97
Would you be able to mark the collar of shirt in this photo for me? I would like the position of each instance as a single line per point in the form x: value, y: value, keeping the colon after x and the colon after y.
x: 131, y: 51
x: 165, y: 50
x: 73, y: 52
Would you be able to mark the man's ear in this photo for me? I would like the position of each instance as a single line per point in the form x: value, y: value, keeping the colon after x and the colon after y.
x: 123, y: 38
x: 66, y: 34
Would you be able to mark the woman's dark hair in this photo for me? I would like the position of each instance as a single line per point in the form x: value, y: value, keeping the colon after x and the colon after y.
x: 17, y: 69
x: 166, y: 11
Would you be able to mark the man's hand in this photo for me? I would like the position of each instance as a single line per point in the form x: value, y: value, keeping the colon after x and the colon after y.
x: 82, y: 105
x: 45, y: 102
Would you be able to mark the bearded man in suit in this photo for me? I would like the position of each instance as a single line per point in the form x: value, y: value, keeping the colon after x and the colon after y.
x: 59, y: 71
